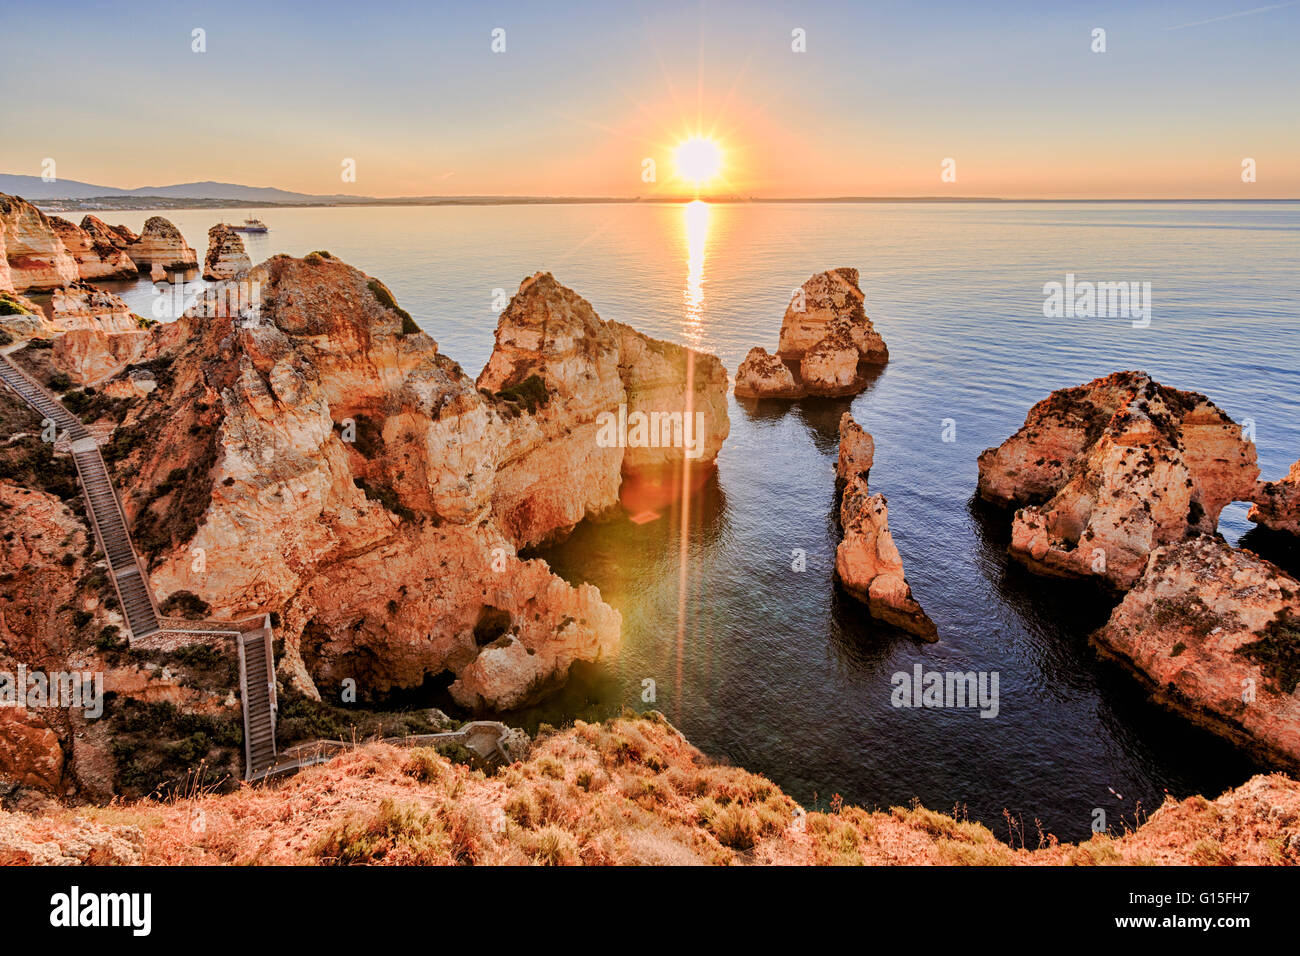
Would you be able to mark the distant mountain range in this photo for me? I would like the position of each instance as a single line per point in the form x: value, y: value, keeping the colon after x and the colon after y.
x: 35, y: 188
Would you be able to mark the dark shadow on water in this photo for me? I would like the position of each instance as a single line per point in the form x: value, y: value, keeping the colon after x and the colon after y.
x: 821, y: 416
x: 1281, y: 548
x: 859, y: 641
x: 1046, y: 605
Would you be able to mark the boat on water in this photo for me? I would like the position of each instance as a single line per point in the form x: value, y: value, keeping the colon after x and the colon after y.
x: 252, y: 225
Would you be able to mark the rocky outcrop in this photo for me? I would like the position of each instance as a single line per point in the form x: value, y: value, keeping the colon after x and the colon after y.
x: 162, y: 244
x: 37, y: 258
x: 591, y: 403
x: 97, y: 257
x: 827, y: 344
x: 1215, y: 632
x: 83, y: 306
x: 867, y: 562
x: 1277, y: 503
x: 21, y: 318
x: 1112, y: 470
x: 857, y: 450
x: 331, y: 465
x: 119, y: 237
x: 226, y: 257
x: 101, y: 336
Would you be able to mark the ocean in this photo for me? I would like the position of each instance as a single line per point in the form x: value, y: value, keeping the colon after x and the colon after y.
x: 771, y: 667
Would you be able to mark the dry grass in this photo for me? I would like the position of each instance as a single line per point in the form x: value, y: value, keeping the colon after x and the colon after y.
x: 630, y: 791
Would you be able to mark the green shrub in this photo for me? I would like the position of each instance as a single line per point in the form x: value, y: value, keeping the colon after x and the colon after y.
x: 531, y: 393
x: 385, y: 298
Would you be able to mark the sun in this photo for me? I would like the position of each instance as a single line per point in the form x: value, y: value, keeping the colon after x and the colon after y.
x: 698, y: 160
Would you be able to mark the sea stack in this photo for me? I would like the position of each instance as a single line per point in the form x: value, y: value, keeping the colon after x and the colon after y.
x: 867, y: 562
x: 1109, y: 471
x: 226, y: 257
x: 1214, y: 632
x: 827, y: 344
x: 161, y: 243
x: 97, y: 258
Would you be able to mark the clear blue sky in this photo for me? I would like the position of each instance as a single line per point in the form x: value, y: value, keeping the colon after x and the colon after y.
x: 586, y: 91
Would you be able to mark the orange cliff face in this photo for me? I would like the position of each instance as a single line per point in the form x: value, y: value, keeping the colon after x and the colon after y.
x: 1214, y: 631
x: 321, y: 458
x: 611, y: 413
x: 1111, y: 470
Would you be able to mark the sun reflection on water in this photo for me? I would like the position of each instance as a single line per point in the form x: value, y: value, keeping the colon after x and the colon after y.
x: 695, y: 216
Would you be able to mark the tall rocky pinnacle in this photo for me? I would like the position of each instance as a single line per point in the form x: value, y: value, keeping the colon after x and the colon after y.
x: 161, y: 244
x: 226, y: 257
x: 867, y: 562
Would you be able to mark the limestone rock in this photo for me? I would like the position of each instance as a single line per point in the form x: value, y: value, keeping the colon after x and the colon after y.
x: 101, y: 336
x: 1215, y: 632
x: 1277, y: 503
x: 161, y: 243
x: 765, y: 376
x: 867, y: 562
x: 1111, y: 470
x: 575, y: 388
x: 343, y: 472
x: 37, y: 258
x: 226, y: 257
x: 826, y: 343
x: 119, y: 237
x: 83, y: 306
x: 857, y: 450
x: 97, y: 257
x: 21, y: 318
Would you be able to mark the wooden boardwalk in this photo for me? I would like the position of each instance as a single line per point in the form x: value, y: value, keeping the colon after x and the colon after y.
x: 131, y: 580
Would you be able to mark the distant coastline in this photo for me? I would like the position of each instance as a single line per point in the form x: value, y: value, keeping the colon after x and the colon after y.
x: 112, y: 203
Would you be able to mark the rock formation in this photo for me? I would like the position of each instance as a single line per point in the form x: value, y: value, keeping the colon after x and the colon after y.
x: 1277, y: 503
x: 826, y: 344
x: 333, y: 466
x: 96, y: 256
x: 21, y: 318
x: 1215, y: 632
x: 867, y: 562
x: 6, y: 280
x: 119, y: 237
x: 83, y: 306
x: 37, y: 258
x: 1111, y: 470
x: 161, y: 243
x: 226, y: 257
x: 857, y: 450
x: 603, y: 401
x: 100, y: 335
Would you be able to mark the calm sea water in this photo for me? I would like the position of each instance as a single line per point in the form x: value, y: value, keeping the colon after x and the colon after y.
x: 773, y: 669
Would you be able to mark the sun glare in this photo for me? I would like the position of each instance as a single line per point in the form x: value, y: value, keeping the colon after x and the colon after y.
x: 698, y: 160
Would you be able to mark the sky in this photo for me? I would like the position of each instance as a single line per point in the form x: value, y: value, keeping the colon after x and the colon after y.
x: 584, y: 93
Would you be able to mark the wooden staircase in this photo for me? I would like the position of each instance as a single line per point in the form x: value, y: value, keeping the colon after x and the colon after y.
x: 257, y: 689
x: 107, y: 519
x: 108, y: 522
